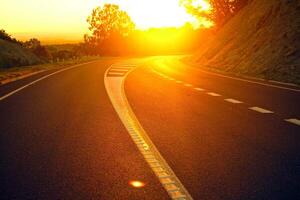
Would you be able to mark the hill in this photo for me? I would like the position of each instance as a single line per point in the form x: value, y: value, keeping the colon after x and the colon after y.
x: 262, y: 40
x: 13, y: 55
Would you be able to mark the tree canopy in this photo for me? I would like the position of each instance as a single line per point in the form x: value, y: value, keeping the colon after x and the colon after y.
x: 5, y: 36
x: 108, y: 21
x: 222, y: 10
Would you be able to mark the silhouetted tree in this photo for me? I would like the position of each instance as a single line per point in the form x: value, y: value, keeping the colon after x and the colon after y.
x: 113, y: 33
x: 64, y: 54
x: 4, y: 35
x: 222, y: 10
x: 8, y: 37
x: 109, y: 25
x: 42, y: 52
x: 34, y: 45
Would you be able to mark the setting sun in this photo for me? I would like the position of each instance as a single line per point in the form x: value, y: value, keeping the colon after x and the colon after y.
x: 67, y: 18
x: 157, y: 13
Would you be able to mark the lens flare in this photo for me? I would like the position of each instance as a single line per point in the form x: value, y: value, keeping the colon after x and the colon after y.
x: 137, y: 184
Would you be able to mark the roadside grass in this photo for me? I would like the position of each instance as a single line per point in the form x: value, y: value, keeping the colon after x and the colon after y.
x: 15, y: 73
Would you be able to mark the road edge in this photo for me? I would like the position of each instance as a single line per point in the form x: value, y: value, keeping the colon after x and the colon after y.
x: 42, y: 78
x: 251, y: 79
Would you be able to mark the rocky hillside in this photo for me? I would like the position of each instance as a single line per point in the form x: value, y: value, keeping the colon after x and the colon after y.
x: 13, y: 55
x: 262, y: 40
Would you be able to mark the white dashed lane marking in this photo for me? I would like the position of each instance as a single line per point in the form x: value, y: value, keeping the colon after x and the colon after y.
x: 188, y: 85
x: 117, y: 73
x: 213, y: 94
x: 119, y: 70
x: 294, y: 121
x: 230, y: 100
x: 261, y: 110
x: 122, y: 67
x: 233, y: 101
x: 199, y: 89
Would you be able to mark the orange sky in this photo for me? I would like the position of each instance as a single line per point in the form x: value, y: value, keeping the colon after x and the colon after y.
x: 66, y: 19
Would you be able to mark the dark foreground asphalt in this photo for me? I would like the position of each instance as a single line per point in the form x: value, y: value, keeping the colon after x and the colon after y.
x: 220, y: 150
x: 61, y: 138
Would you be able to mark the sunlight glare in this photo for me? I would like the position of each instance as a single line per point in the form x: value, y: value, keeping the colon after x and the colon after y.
x: 161, y: 13
x: 203, y: 5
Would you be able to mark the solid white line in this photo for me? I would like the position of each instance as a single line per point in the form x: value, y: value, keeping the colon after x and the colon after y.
x: 213, y: 94
x: 233, y: 101
x: 21, y: 77
x: 199, y: 89
x: 40, y: 79
x: 261, y: 110
x: 249, y: 81
x: 282, y: 83
x: 294, y: 121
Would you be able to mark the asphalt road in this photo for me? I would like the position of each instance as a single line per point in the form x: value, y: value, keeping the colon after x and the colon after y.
x: 224, y: 137
x: 62, y: 139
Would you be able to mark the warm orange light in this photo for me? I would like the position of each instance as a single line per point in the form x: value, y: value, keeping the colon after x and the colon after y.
x: 50, y: 18
x: 137, y: 184
x: 202, y: 5
x: 162, y: 13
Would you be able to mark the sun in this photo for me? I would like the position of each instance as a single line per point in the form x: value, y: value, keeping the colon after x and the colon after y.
x: 161, y: 13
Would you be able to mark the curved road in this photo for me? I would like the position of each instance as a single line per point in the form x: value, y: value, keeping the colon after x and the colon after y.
x: 224, y: 137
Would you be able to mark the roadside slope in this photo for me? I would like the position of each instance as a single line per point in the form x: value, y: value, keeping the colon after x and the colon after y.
x: 13, y: 55
x: 261, y: 41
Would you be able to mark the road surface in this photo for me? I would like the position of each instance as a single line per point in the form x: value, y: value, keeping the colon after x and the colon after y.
x: 223, y: 137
